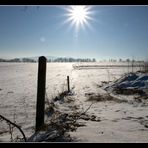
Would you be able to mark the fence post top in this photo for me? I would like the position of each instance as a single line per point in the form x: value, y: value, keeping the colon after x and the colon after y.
x: 42, y: 58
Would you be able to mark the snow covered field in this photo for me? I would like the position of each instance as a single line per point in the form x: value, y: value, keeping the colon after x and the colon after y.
x: 119, y: 122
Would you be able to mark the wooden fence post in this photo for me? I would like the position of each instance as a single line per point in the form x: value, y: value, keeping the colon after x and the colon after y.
x: 68, y: 84
x: 41, y: 93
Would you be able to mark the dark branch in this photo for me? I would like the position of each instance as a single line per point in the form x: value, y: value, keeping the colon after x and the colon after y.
x: 2, y: 117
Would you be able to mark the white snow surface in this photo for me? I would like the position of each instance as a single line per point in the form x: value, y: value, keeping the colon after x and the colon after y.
x: 120, y: 122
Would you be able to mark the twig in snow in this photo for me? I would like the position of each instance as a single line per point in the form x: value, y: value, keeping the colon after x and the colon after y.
x: 83, y: 112
x: 87, y: 109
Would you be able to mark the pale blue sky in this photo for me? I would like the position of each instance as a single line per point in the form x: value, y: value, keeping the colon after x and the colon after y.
x: 115, y: 32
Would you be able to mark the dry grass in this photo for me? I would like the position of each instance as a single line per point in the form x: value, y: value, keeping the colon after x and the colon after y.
x: 124, y: 91
x: 104, y: 97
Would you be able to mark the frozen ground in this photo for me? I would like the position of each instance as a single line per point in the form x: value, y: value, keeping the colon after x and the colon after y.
x: 119, y: 121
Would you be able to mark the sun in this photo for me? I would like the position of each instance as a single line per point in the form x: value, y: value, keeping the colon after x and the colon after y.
x: 79, y: 15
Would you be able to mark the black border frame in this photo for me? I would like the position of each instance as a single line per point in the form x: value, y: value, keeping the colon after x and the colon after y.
x: 73, y: 2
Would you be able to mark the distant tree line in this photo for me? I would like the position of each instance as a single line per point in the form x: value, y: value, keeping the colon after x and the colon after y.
x: 72, y: 60
x: 121, y: 60
x: 49, y: 60
x: 18, y: 60
x: 30, y: 60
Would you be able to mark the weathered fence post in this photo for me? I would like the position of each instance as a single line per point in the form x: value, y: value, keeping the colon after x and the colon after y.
x: 68, y: 84
x: 40, y: 93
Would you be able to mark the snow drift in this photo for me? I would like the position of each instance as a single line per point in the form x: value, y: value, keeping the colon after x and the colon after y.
x: 131, y: 81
